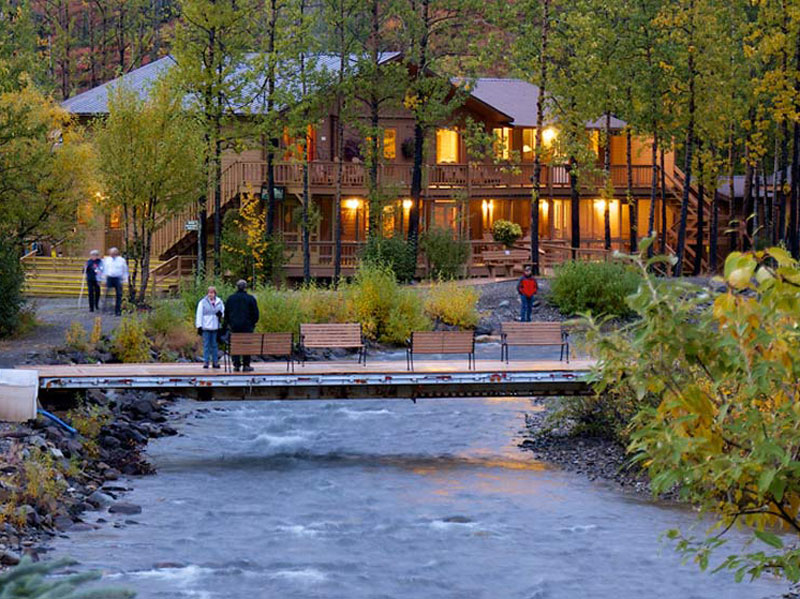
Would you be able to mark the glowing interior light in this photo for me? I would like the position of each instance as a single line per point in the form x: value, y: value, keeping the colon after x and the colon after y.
x: 352, y: 204
x: 548, y: 135
x: 407, y: 204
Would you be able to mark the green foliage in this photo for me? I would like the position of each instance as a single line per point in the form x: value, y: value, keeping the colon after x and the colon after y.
x: 716, y: 378
x: 173, y: 335
x: 194, y: 290
x: 446, y: 255
x: 506, y: 232
x: 599, y: 287
x: 29, y: 580
x: 130, y: 342
x: 453, y: 304
x: 407, y: 315
x: 370, y: 299
x: 12, y: 279
x: 392, y: 252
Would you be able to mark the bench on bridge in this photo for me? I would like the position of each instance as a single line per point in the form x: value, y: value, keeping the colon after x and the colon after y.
x: 507, y: 260
x: 259, y: 344
x: 346, y: 335
x: 441, y: 342
x: 532, y: 334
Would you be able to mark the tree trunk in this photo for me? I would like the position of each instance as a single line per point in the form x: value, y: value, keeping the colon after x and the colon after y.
x: 633, y: 203
x: 218, y: 201
x: 663, y: 205
x: 575, y: 198
x: 374, y: 102
x: 537, y: 158
x: 272, y: 142
x: 609, y: 185
x: 419, y: 141
x: 337, y: 203
x: 698, y: 251
x: 780, y: 192
x: 794, y: 237
x: 687, y: 163
x: 306, y: 223
x: 651, y: 217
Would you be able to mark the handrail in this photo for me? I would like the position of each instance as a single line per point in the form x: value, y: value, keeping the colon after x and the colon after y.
x: 28, y: 255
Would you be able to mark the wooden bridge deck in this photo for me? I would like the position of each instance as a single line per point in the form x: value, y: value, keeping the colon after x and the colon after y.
x: 328, y: 379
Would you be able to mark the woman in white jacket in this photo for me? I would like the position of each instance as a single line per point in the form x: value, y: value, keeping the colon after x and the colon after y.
x: 210, y: 311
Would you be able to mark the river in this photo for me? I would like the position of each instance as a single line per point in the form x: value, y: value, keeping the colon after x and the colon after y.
x: 382, y: 499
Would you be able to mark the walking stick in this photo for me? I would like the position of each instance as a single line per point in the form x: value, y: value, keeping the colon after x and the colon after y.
x: 80, y: 295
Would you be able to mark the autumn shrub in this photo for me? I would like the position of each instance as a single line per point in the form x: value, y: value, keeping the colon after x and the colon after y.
x: 393, y: 252
x: 38, y: 480
x: 453, y: 304
x: 76, y: 338
x: 172, y: 333
x: 370, y: 298
x: 130, y: 342
x: 716, y: 378
x: 597, y: 287
x: 97, y: 331
x: 446, y: 254
x: 406, y: 315
x: 319, y: 304
x: 279, y: 309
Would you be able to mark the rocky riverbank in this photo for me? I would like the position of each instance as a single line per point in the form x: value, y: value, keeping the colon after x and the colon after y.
x: 49, y: 477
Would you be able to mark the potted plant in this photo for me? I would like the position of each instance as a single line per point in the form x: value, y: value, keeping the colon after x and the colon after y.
x: 506, y: 232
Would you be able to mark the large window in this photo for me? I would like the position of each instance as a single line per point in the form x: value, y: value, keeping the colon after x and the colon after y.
x: 528, y: 144
x: 446, y: 146
x: 502, y: 142
x: 390, y: 144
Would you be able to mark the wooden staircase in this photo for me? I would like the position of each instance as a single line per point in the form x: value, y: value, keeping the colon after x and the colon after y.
x: 63, y: 277
x: 674, y: 197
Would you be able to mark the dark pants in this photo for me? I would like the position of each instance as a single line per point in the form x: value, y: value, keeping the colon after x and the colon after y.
x: 94, y: 294
x: 240, y: 361
x: 116, y: 283
x: 526, y: 309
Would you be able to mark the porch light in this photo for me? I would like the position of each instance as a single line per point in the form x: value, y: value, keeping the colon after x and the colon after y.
x: 352, y: 204
x: 407, y: 204
x: 548, y: 135
x: 527, y: 149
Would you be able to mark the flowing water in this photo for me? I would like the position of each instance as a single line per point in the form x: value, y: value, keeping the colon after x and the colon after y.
x: 383, y: 499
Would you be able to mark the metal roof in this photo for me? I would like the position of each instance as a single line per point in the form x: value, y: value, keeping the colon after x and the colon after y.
x: 517, y: 98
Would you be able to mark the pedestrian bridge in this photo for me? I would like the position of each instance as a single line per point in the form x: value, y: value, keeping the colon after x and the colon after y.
x: 328, y: 379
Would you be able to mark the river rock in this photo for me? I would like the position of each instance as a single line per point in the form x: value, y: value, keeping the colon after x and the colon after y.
x: 109, y: 442
x: 100, y: 500
x: 9, y: 558
x: 123, y: 507
x: 143, y: 408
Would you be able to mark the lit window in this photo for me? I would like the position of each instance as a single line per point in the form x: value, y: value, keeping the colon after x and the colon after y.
x: 502, y: 142
x: 115, y: 219
x: 528, y: 144
x: 390, y: 144
x: 549, y: 136
x: 446, y: 146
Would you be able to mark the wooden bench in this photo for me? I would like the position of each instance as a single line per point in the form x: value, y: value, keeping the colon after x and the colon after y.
x: 260, y: 344
x: 508, y: 260
x: 533, y: 333
x: 347, y: 335
x: 441, y: 342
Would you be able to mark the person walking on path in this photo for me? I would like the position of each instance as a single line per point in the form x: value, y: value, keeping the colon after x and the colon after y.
x: 115, y: 271
x: 210, y: 311
x: 527, y: 288
x: 241, y: 311
x: 94, y: 273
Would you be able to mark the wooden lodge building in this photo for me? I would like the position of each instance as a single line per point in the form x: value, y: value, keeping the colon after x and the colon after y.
x: 457, y: 192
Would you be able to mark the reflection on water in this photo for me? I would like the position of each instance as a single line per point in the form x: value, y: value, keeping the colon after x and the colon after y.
x: 383, y: 499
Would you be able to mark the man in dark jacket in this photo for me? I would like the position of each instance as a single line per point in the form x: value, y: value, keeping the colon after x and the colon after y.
x: 241, y: 312
x: 94, y: 272
x: 527, y: 288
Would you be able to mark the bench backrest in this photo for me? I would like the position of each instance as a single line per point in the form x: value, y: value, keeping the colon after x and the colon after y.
x: 347, y: 334
x: 277, y: 344
x: 245, y: 344
x: 442, y: 342
x: 532, y: 333
x: 512, y: 255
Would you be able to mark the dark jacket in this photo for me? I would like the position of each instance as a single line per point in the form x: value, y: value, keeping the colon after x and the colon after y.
x: 241, y: 312
x: 527, y: 286
x: 93, y: 269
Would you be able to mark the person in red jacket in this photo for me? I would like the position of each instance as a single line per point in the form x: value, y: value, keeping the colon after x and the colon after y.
x: 527, y: 288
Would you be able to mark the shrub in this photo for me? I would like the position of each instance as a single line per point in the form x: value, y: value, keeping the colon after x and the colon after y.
x: 392, y: 252
x: 76, y: 338
x: 30, y: 580
x: 172, y: 333
x: 280, y: 310
x: 12, y: 280
x: 599, y: 287
x: 371, y: 297
x: 130, y: 342
x: 407, y: 315
x: 97, y: 331
x: 446, y: 255
x: 454, y: 305
x: 193, y: 291
x: 506, y: 232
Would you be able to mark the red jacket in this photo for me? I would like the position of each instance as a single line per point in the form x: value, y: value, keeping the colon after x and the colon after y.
x: 527, y: 286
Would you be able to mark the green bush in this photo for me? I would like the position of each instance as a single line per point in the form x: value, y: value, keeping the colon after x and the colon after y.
x: 12, y: 279
x: 193, y: 291
x: 506, y: 232
x: 446, y: 254
x: 454, y: 305
x: 371, y: 297
x: 599, y: 287
x: 393, y: 252
x: 172, y: 332
x: 407, y: 315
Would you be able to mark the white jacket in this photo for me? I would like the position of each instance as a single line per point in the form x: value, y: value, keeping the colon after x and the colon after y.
x: 206, y: 316
x: 115, y: 268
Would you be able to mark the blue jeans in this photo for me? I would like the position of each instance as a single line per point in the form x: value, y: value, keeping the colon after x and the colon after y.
x: 210, y: 349
x: 526, y: 309
x: 116, y: 284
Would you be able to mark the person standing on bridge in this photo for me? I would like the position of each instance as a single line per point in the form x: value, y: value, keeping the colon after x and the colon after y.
x: 241, y: 311
x: 527, y: 288
x: 210, y: 311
